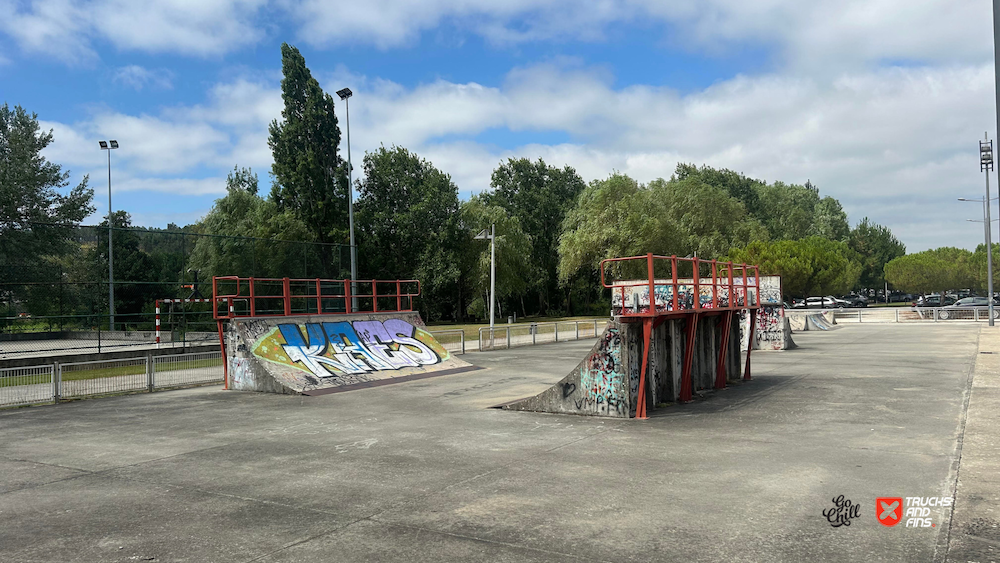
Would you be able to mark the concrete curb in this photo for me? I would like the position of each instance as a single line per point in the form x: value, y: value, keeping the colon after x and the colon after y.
x: 974, y: 534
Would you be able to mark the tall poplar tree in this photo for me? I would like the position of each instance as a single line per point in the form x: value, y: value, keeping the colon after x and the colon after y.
x: 310, y: 177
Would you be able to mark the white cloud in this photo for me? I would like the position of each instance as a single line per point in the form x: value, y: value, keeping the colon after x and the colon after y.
x: 68, y: 29
x: 137, y: 77
x: 896, y: 144
x: 813, y: 37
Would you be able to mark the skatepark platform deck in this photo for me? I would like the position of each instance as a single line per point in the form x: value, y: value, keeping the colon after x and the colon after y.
x: 426, y: 471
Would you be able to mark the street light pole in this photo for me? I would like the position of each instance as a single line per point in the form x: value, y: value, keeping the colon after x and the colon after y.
x: 345, y: 94
x: 986, y: 165
x: 111, y: 253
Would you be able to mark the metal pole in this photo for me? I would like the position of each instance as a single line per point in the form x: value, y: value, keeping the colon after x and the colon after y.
x: 493, y: 272
x: 989, y: 250
x: 350, y: 211
x: 111, y: 256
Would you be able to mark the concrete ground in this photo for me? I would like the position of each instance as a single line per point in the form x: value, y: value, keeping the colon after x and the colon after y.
x: 426, y: 471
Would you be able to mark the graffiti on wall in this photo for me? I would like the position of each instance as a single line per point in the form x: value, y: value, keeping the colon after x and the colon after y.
x: 633, y: 296
x: 333, y: 349
x: 770, y: 290
x: 602, y: 377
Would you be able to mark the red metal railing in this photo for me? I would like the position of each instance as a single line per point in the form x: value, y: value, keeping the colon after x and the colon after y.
x: 678, y: 293
x: 271, y: 297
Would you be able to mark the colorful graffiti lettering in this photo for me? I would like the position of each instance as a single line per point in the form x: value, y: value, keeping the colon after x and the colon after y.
x: 602, y: 378
x: 332, y: 349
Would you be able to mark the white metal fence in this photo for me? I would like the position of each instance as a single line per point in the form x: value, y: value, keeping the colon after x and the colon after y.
x: 453, y: 340
x: 52, y: 382
x: 912, y: 314
x: 528, y: 334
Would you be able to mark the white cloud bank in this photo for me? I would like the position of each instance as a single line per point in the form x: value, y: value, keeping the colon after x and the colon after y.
x: 895, y: 144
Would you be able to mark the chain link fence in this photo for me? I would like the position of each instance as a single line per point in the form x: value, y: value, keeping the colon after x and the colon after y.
x: 64, y: 303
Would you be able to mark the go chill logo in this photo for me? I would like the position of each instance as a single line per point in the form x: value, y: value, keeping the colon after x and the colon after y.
x: 916, y: 510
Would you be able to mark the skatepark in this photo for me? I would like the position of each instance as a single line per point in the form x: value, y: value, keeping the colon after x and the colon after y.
x: 427, y: 470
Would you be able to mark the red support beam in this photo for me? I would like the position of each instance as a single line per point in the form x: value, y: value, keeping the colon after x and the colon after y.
x: 647, y: 334
x: 686, y: 383
x: 720, y: 370
x: 753, y: 325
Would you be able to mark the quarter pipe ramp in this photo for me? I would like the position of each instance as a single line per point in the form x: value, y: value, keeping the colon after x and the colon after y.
x: 320, y: 354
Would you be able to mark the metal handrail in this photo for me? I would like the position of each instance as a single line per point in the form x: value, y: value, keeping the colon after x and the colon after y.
x: 735, y: 278
x: 314, y: 291
x: 459, y: 331
x: 533, y: 328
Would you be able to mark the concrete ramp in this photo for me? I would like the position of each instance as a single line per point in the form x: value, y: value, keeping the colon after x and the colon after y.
x: 606, y: 382
x: 599, y: 385
x: 773, y: 330
x: 320, y: 354
x: 811, y: 320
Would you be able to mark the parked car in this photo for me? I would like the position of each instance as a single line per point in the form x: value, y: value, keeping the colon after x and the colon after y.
x: 933, y: 300
x: 981, y: 304
x: 828, y: 302
x: 855, y: 300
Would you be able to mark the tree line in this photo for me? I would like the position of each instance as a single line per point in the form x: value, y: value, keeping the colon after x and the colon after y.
x: 553, y: 228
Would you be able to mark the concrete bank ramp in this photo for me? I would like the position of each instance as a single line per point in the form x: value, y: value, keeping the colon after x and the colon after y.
x: 319, y: 354
x: 801, y: 321
x: 606, y: 382
x: 599, y: 385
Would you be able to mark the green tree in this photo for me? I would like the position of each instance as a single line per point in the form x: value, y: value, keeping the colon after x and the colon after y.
x: 407, y: 217
x: 877, y: 246
x: 253, y: 237
x: 929, y: 271
x: 810, y: 266
x: 613, y: 217
x: 511, y: 275
x: 310, y: 178
x: 539, y: 195
x: 738, y: 186
x: 787, y: 210
x: 619, y: 217
x: 35, y: 217
x: 830, y: 221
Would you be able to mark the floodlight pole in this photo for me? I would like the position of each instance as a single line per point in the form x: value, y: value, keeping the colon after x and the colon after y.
x: 345, y: 95
x: 986, y: 165
x: 493, y: 273
x: 111, y: 254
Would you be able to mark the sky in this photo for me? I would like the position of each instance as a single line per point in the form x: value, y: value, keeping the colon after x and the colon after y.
x: 879, y: 103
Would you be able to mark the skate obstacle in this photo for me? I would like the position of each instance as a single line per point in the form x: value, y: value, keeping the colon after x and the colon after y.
x: 671, y: 335
x: 316, y: 336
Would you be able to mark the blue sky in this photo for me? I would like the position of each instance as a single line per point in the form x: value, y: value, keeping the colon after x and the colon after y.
x: 880, y: 103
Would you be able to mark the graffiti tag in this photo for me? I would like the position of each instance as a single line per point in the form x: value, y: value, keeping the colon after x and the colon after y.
x: 330, y: 349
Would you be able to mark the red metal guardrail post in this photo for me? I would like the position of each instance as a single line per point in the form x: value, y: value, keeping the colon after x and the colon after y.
x: 253, y: 300
x: 286, y: 287
x: 715, y: 286
x: 696, y: 276
x: 347, y: 297
x: 399, y: 297
x: 652, y: 284
x: 374, y: 296
x: 319, y: 298
x: 673, y: 274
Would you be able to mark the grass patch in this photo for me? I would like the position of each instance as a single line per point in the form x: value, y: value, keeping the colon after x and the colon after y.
x: 78, y: 373
x: 521, y: 326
